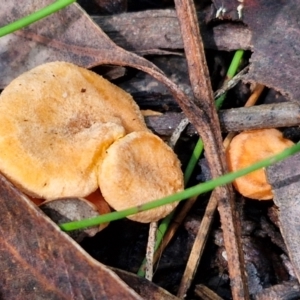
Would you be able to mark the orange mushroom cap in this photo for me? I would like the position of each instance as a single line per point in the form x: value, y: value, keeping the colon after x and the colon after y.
x: 140, y: 168
x: 249, y: 147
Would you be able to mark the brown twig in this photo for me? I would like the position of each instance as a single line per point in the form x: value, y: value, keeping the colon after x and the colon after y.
x: 229, y: 84
x: 205, y: 293
x: 275, y: 115
x: 202, y: 235
x: 211, y: 135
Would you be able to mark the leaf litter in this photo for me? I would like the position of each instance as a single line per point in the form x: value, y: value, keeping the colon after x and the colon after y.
x: 38, y: 259
x: 275, y: 43
x: 273, y: 62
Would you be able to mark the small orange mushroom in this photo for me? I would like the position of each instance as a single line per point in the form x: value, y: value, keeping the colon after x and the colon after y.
x: 249, y: 147
x: 139, y: 168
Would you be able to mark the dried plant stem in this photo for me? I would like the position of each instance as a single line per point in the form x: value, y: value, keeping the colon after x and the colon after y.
x: 211, y: 135
x: 177, y: 132
x: 250, y: 102
x: 202, y: 235
x: 205, y: 293
x: 255, y: 95
x: 229, y: 84
x: 150, y: 250
x: 152, y: 241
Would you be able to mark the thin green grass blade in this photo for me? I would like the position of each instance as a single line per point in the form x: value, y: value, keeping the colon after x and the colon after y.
x: 38, y: 15
x: 193, y: 160
x: 236, y: 60
x: 189, y: 192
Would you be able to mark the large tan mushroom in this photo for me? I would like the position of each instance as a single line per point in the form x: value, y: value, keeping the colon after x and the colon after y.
x: 56, y: 121
x: 139, y: 168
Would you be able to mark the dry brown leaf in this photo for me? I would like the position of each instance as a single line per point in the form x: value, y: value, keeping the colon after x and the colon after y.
x: 68, y: 35
x: 38, y: 261
x: 275, y: 42
x: 284, y: 178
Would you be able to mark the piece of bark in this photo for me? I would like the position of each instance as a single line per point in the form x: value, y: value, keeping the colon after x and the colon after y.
x: 165, y: 124
x: 284, y: 114
x: 38, y: 261
x: 159, y: 29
